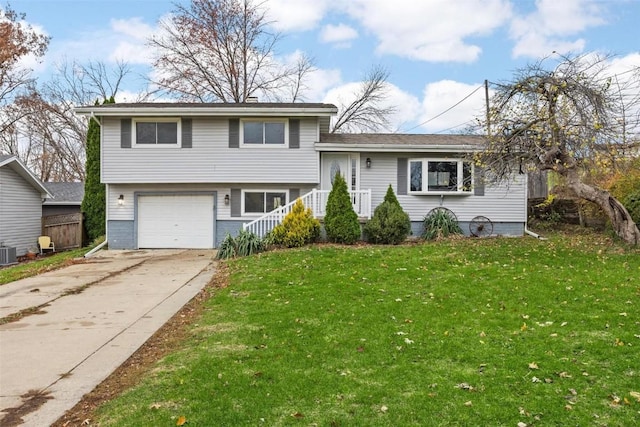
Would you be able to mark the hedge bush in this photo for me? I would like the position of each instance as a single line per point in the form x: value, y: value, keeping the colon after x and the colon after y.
x: 298, y: 228
x: 340, y: 220
x: 632, y: 203
x: 390, y: 224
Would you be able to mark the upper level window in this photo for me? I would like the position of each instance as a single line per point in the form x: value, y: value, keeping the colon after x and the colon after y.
x: 157, y: 132
x: 439, y: 176
x: 264, y: 132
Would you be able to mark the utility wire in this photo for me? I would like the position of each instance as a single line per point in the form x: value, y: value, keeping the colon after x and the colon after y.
x: 445, y: 111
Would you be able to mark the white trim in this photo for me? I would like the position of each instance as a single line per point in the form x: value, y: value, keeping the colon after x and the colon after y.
x: 263, y: 120
x: 136, y: 120
x: 213, y: 111
x: 425, y: 177
x: 395, y: 148
x: 244, y: 213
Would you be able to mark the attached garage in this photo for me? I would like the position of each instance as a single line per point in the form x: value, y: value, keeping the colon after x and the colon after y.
x: 176, y: 221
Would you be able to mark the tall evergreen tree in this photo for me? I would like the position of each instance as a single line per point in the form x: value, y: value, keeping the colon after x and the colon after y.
x: 341, y: 221
x: 94, y: 202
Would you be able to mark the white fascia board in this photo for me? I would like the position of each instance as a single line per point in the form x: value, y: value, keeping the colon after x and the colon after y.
x: 208, y: 112
x: 395, y: 148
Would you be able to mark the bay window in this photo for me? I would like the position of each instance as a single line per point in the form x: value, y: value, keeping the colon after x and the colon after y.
x: 439, y: 176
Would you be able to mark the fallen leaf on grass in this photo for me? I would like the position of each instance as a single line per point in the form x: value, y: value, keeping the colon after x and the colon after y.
x: 533, y: 365
x: 383, y: 409
x: 297, y: 415
x: 468, y: 403
x: 182, y: 420
x: 521, y: 424
x: 635, y: 395
x: 465, y: 386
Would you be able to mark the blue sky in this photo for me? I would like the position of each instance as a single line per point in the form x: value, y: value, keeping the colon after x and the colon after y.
x: 438, y: 52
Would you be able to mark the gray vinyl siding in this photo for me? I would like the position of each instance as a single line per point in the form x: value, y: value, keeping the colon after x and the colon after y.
x: 210, y: 159
x: 121, y: 234
x: 126, y: 212
x: 20, y: 212
x: 500, y: 203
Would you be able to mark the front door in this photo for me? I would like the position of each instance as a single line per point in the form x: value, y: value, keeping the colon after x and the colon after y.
x: 346, y: 164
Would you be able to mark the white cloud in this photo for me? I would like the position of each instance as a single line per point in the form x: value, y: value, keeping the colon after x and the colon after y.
x: 296, y: 15
x: 340, y: 34
x: 434, y: 30
x: 123, y: 40
x: 130, y: 37
x: 551, y: 26
x: 443, y: 95
x: 319, y: 82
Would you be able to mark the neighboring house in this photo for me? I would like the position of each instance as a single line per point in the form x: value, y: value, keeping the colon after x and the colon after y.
x: 67, y: 198
x: 184, y: 175
x: 21, y: 196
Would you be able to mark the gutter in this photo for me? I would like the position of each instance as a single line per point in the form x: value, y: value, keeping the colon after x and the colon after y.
x: 96, y: 249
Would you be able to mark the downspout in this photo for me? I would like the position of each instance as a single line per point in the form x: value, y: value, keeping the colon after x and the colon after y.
x: 96, y: 249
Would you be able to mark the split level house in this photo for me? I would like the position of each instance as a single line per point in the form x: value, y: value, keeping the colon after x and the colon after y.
x: 183, y: 175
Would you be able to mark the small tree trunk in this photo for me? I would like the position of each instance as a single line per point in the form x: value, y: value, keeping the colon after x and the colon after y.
x: 620, y: 218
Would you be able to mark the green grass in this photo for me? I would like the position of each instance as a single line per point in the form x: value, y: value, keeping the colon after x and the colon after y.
x: 458, y: 332
x: 39, y: 266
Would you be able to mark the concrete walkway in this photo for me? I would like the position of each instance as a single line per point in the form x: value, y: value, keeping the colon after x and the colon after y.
x: 88, y: 319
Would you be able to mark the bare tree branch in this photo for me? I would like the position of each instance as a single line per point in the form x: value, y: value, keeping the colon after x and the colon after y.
x: 221, y: 50
x: 366, y: 112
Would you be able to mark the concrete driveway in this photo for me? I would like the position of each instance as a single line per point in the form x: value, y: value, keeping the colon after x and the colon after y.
x: 84, y: 321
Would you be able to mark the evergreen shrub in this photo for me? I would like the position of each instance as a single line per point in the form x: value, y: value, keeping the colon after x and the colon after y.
x: 340, y: 220
x: 298, y: 228
x: 390, y: 224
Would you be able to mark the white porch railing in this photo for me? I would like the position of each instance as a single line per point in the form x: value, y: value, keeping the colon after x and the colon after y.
x: 317, y: 201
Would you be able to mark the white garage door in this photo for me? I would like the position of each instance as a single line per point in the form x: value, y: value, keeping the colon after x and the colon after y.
x: 175, y: 221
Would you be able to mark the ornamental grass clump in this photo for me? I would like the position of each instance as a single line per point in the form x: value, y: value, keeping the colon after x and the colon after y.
x: 244, y: 244
x: 440, y: 223
x: 298, y: 228
x: 341, y: 221
x: 390, y: 224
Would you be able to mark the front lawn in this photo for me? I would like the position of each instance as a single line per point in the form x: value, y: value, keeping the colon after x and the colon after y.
x: 460, y: 332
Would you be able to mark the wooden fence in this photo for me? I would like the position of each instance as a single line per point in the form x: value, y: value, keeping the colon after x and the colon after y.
x: 66, y: 231
x: 538, y: 185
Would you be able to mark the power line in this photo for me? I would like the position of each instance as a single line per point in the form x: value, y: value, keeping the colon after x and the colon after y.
x: 445, y: 111
x: 454, y: 127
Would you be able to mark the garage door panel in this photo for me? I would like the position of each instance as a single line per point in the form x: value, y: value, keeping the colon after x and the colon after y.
x: 175, y: 221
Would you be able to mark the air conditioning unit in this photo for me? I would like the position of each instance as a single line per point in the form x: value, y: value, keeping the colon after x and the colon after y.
x: 7, y: 255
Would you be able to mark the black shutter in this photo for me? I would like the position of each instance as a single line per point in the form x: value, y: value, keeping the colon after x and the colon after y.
x: 236, y: 202
x: 187, y: 140
x: 478, y: 181
x: 234, y: 133
x: 294, y: 133
x: 125, y: 133
x: 402, y: 176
